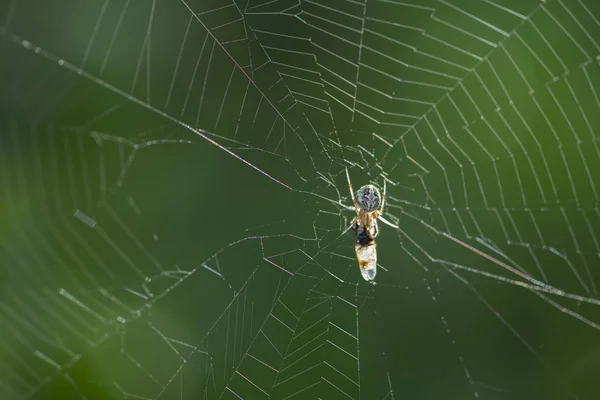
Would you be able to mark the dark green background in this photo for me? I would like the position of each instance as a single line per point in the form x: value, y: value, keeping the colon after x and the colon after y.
x: 108, y: 109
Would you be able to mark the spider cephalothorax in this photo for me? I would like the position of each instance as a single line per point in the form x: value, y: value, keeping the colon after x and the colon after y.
x: 368, y: 198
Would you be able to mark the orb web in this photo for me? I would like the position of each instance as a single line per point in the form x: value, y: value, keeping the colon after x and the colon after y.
x: 174, y: 220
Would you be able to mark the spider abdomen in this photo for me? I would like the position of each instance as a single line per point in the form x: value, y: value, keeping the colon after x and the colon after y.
x: 368, y: 198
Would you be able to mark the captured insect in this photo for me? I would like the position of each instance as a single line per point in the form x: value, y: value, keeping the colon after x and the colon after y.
x: 368, y: 205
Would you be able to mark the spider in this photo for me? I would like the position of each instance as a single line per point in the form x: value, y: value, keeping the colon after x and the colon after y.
x: 368, y: 206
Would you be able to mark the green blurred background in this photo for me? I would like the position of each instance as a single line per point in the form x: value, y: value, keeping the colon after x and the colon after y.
x: 171, y: 177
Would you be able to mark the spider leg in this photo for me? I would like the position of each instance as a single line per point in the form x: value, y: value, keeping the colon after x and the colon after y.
x: 349, y: 208
x: 356, y: 208
x: 382, y: 197
x: 385, y: 221
x: 375, y: 229
x: 352, y: 224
